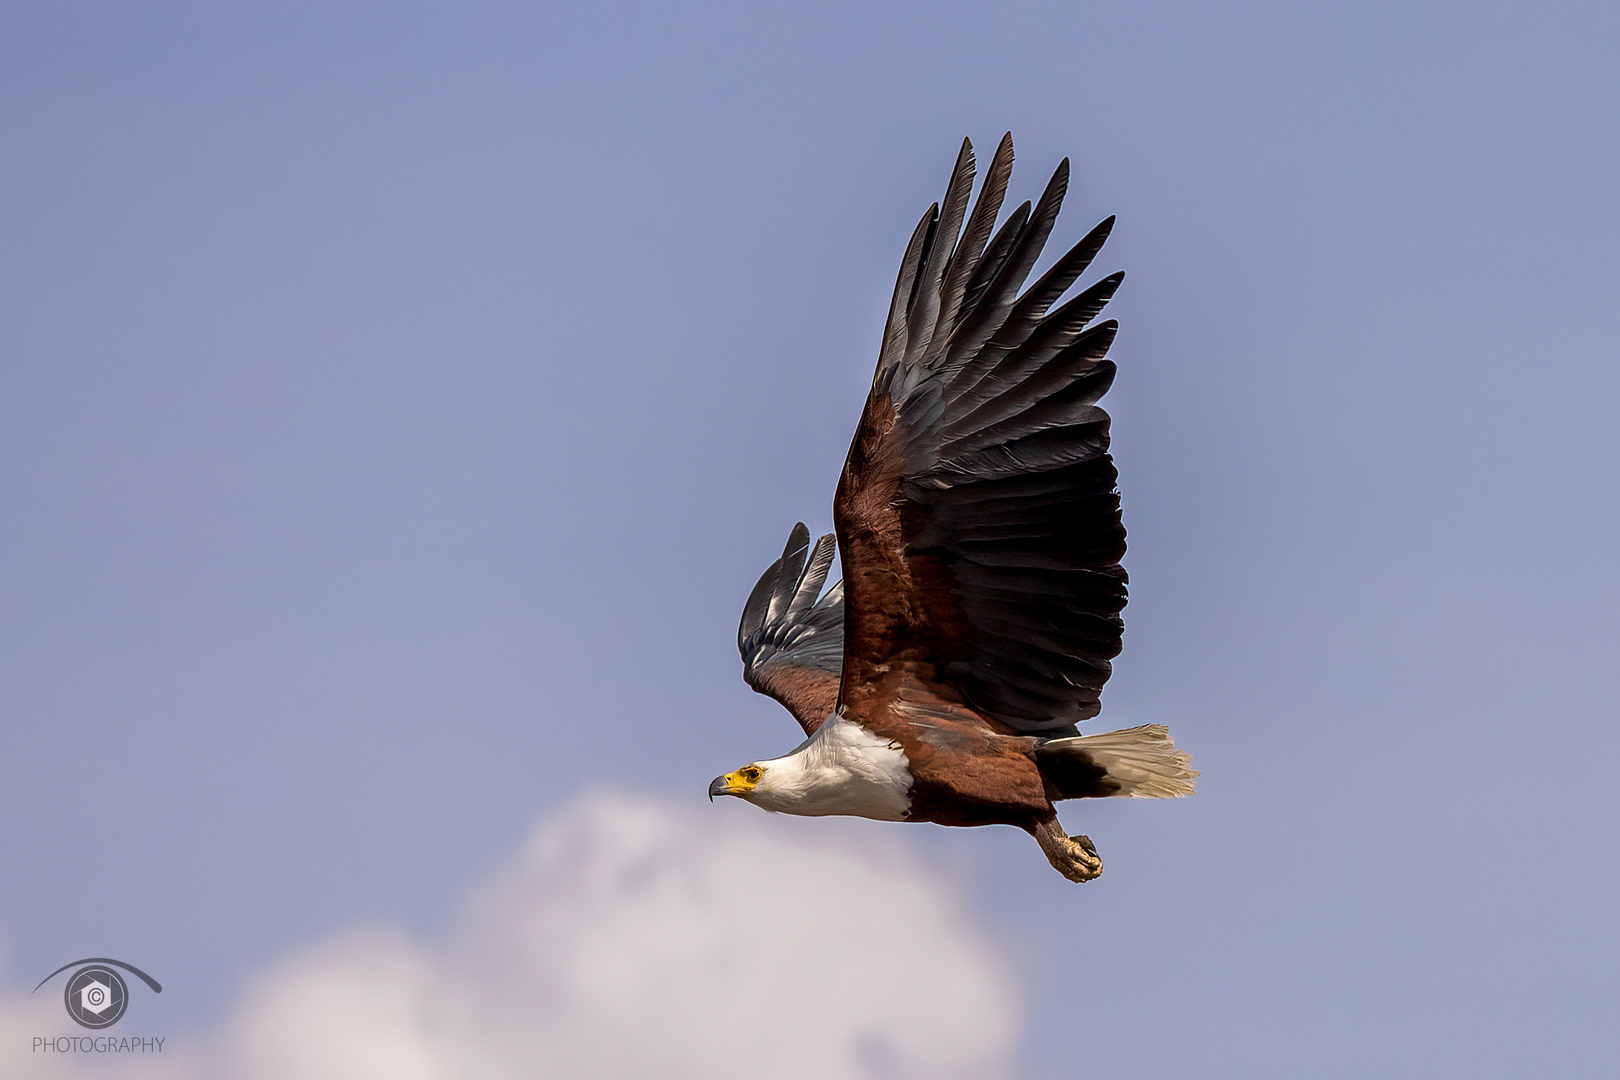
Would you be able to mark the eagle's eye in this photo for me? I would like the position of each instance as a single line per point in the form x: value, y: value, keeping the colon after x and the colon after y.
x: 749, y: 773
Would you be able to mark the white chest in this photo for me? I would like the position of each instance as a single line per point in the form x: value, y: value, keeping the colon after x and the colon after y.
x: 841, y: 769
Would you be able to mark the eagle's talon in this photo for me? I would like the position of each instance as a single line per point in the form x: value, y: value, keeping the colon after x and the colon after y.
x: 1075, y: 857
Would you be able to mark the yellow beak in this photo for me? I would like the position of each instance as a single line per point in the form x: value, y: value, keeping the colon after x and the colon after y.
x: 733, y: 783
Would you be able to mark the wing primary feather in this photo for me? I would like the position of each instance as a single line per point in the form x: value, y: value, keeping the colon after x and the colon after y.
x: 995, y: 256
x: 897, y: 330
x: 925, y: 311
x: 971, y: 247
x: 813, y: 578
x: 759, y: 603
x: 788, y: 569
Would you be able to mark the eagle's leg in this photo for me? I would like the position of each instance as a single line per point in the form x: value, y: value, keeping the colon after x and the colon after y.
x: 1075, y: 857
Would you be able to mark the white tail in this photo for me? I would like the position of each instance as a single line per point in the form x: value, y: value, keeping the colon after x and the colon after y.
x: 1143, y: 761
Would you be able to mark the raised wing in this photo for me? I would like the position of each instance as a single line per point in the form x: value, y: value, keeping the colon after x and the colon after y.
x: 976, y: 514
x: 791, y: 637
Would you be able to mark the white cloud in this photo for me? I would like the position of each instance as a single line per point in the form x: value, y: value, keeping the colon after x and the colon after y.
x: 630, y: 939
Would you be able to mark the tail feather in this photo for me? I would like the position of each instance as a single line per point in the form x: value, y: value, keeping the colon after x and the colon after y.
x: 1141, y: 762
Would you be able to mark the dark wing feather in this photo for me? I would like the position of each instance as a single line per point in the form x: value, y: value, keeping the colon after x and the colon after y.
x: 977, y: 514
x: 791, y: 636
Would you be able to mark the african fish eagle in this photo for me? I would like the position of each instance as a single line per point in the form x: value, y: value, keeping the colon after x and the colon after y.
x: 979, y: 527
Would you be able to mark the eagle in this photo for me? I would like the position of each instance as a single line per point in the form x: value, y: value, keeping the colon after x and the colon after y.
x: 977, y: 519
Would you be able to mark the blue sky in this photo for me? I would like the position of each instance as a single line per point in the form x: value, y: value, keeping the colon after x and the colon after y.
x: 399, y: 401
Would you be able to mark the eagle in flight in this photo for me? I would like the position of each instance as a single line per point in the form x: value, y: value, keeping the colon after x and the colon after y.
x: 980, y: 534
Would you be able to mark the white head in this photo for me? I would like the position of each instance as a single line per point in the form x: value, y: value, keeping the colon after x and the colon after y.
x: 777, y: 785
x: 841, y: 769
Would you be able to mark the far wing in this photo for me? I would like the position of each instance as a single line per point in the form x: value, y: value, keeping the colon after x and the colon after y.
x: 791, y: 637
x: 976, y: 514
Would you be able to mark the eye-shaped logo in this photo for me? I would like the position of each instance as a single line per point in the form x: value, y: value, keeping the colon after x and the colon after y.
x: 96, y: 995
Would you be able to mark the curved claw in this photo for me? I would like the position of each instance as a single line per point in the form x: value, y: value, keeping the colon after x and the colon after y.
x: 1075, y: 857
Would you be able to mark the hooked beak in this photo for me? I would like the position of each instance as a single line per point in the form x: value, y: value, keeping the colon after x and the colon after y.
x: 721, y: 786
